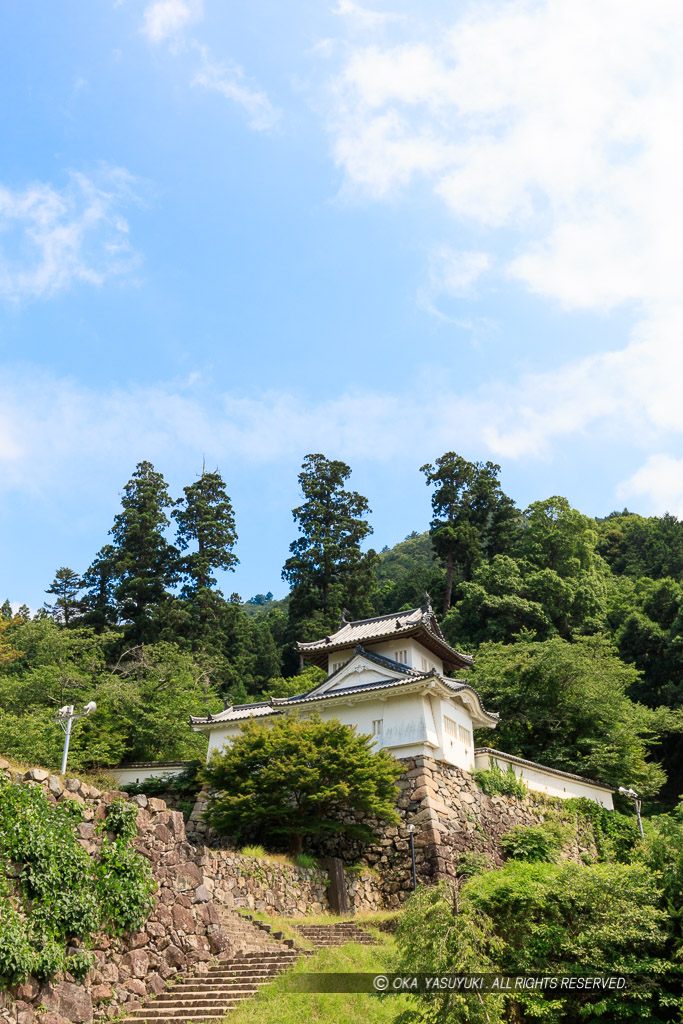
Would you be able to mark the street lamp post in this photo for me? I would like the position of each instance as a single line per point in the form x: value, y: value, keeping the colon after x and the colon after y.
x: 66, y: 716
x: 632, y: 795
x: 411, y: 829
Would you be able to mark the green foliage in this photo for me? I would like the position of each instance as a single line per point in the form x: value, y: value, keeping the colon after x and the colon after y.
x: 473, y: 518
x: 305, y: 860
x: 294, y: 780
x: 185, y: 783
x: 566, y: 705
x: 327, y: 570
x: 471, y: 862
x: 206, y: 521
x: 66, y: 587
x: 532, y: 843
x: 615, y: 835
x: 494, y: 780
x: 53, y: 891
x: 540, y: 919
x: 121, y: 819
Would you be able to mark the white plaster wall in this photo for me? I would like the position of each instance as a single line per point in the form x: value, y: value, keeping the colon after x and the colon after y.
x: 452, y: 749
x: 388, y: 648
x: 541, y: 781
x: 127, y: 776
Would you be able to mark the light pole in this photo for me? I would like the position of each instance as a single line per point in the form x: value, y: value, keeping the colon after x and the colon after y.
x: 66, y: 716
x: 632, y: 795
x: 411, y: 829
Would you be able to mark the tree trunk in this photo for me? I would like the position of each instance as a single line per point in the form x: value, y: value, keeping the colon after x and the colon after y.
x: 296, y: 845
x: 450, y: 569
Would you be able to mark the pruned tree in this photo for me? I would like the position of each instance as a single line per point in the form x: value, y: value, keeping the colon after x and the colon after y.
x: 291, y: 781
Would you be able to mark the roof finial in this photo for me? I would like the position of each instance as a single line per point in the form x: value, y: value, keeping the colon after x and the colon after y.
x: 345, y: 617
x: 426, y: 600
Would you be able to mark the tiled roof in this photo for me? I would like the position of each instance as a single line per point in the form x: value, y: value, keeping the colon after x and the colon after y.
x: 276, y: 705
x: 543, y: 767
x: 383, y: 627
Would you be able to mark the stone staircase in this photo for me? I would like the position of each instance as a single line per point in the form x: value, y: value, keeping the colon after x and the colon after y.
x: 336, y: 934
x: 255, y: 958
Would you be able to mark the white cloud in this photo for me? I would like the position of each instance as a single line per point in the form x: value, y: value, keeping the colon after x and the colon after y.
x: 363, y: 17
x: 451, y: 273
x: 555, y: 128
x: 165, y: 20
x: 660, y: 481
x: 51, y: 238
x: 231, y: 82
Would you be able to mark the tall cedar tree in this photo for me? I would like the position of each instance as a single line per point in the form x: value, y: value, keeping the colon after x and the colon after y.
x: 99, y: 581
x: 327, y: 570
x: 473, y: 518
x: 293, y: 780
x: 66, y: 587
x: 206, y: 520
x: 146, y: 564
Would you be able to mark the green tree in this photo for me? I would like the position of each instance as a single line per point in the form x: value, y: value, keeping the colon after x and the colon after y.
x: 327, y: 570
x: 552, y: 919
x: 473, y: 518
x: 566, y: 705
x: 558, y: 537
x: 294, y: 781
x: 6, y: 611
x: 146, y: 564
x: 99, y: 582
x: 66, y: 587
x: 206, y: 523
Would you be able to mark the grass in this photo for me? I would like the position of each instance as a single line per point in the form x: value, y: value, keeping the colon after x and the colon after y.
x: 274, y: 1005
x: 302, y: 860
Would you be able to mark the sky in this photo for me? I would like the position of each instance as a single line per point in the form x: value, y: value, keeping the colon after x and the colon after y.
x: 234, y: 234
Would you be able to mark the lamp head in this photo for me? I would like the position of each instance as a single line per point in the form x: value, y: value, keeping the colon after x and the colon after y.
x: 90, y: 707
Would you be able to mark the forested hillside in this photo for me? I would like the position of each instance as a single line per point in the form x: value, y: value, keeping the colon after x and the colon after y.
x: 576, y: 623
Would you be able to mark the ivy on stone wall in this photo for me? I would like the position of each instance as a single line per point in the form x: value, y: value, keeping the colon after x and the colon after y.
x: 54, y: 894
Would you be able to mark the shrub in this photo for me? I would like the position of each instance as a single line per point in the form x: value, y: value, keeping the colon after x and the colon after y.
x: 614, y: 834
x: 471, y: 863
x: 494, y: 780
x: 532, y: 843
x: 52, y: 891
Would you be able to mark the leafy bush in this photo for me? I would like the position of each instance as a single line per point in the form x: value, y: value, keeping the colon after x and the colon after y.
x: 471, y: 863
x: 543, y: 919
x: 52, y: 891
x: 532, y: 843
x: 614, y: 834
x: 494, y: 780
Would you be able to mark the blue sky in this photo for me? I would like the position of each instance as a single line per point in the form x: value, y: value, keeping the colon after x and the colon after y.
x: 248, y: 232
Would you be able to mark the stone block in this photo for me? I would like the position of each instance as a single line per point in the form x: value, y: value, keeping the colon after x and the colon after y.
x: 37, y: 775
x: 154, y: 804
x: 54, y: 784
x: 100, y: 993
x: 202, y: 894
x: 185, y: 876
x: 137, y: 961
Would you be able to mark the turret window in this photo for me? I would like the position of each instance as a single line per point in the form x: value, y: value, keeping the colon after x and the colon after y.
x: 401, y: 657
x: 377, y: 726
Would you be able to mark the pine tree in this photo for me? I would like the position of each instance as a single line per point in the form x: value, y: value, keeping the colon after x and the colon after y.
x: 66, y: 587
x: 327, y: 570
x: 146, y: 564
x: 6, y: 610
x: 206, y: 522
x: 473, y: 518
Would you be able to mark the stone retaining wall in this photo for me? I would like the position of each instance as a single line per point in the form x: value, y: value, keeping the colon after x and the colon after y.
x: 452, y: 815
